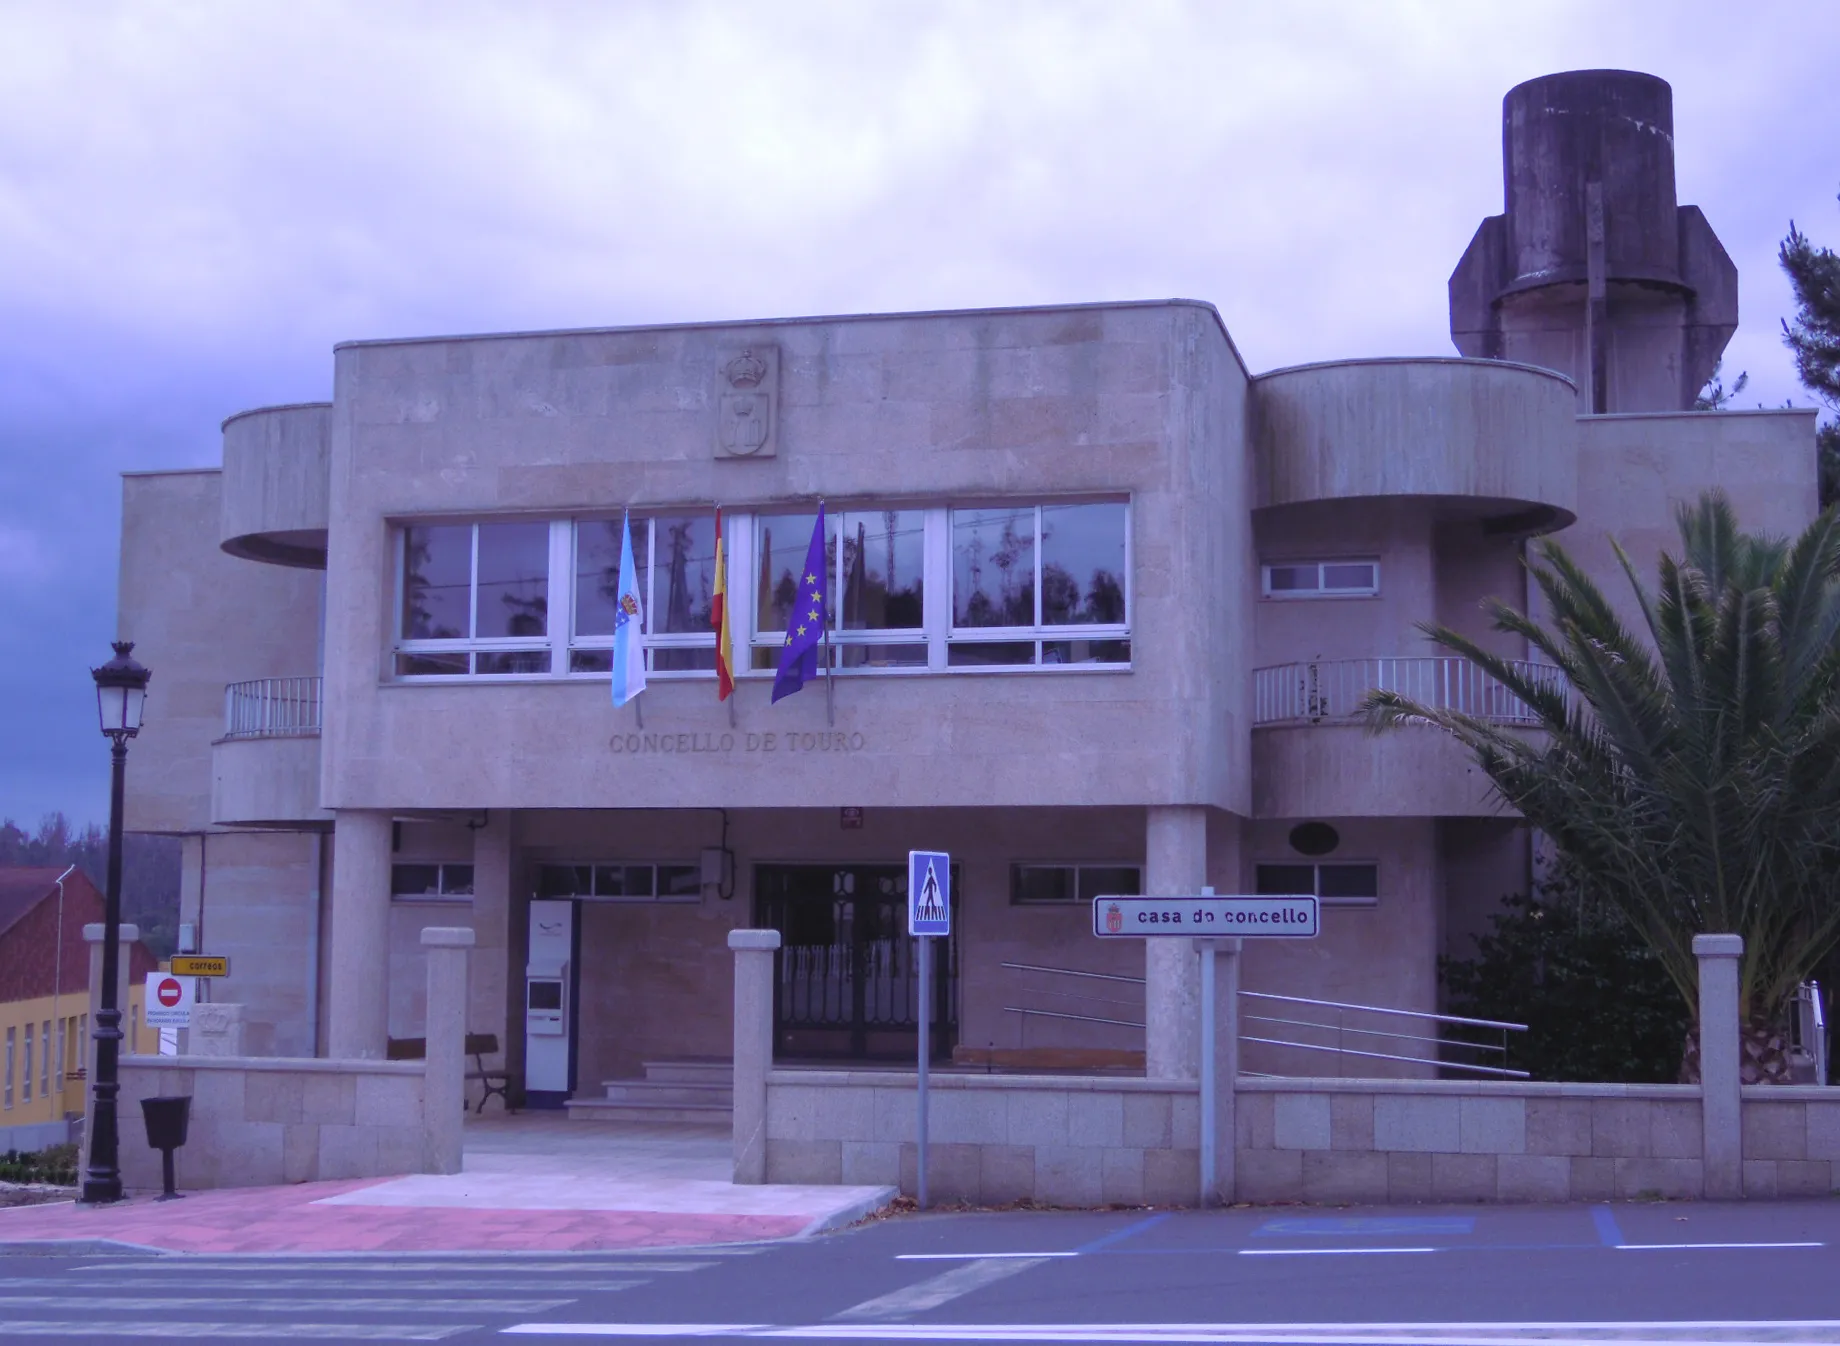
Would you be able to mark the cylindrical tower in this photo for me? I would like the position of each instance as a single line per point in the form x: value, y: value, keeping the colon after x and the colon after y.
x: 1560, y: 133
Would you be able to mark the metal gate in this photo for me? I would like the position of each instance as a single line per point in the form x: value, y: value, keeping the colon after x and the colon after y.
x: 846, y: 981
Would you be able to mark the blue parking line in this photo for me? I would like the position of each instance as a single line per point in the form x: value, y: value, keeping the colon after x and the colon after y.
x: 1120, y: 1235
x: 1607, y: 1232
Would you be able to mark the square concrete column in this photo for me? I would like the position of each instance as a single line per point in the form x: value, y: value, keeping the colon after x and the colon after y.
x: 92, y: 936
x: 753, y: 1048
x: 444, y: 1084
x: 490, y: 968
x: 1175, y: 862
x: 1723, y: 1130
x: 358, y: 980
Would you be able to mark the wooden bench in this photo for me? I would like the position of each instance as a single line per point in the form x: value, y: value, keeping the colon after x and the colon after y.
x: 478, y: 1046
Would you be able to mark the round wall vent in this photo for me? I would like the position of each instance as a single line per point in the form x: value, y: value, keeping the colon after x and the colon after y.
x: 1314, y: 838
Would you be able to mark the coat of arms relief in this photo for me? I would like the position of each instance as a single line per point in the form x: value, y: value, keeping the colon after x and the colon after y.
x: 748, y: 405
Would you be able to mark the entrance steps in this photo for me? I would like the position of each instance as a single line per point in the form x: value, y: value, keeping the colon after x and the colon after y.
x: 687, y: 1089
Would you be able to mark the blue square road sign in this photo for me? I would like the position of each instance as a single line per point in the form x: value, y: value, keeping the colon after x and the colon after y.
x: 929, y: 893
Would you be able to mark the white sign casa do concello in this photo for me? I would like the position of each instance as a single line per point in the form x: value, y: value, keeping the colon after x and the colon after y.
x: 169, y: 1001
x: 1293, y: 916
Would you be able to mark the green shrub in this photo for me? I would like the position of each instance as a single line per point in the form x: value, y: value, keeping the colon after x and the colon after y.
x: 55, y: 1164
x: 1599, y: 1007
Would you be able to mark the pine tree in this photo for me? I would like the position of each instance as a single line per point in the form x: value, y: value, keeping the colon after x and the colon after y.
x: 1814, y: 336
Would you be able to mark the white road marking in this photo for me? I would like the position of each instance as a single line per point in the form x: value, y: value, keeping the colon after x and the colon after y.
x: 969, y: 1257
x: 937, y: 1290
x: 509, y: 1266
x: 1325, y: 1252
x: 1721, y: 1333
x: 238, y: 1331
x: 1667, y: 1247
x: 263, y: 1304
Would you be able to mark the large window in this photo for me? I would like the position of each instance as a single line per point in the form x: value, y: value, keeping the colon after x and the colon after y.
x: 475, y: 599
x: 1040, y: 584
x: 675, y: 556
x: 875, y: 576
x: 909, y: 589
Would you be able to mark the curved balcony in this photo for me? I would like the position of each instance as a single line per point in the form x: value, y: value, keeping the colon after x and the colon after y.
x: 1313, y: 758
x: 1485, y: 438
x: 265, y: 769
x: 276, y: 480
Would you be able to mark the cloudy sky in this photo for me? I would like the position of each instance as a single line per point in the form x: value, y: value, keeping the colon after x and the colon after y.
x: 197, y: 200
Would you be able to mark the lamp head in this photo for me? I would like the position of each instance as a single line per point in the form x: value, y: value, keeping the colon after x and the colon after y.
x: 121, y: 692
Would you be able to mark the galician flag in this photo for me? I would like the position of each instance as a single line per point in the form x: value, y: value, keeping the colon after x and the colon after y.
x: 798, y: 658
x: 628, y: 623
x: 718, y: 618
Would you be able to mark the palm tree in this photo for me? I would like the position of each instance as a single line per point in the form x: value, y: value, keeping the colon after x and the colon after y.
x: 1689, y: 771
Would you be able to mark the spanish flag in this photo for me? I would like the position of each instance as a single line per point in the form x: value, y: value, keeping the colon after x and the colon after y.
x: 718, y: 618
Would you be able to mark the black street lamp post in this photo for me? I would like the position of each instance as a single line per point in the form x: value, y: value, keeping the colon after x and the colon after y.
x: 121, y: 691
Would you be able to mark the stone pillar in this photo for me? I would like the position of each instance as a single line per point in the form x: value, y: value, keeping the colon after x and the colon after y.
x: 444, y: 1082
x: 358, y: 1003
x: 1225, y: 1010
x: 1723, y: 1129
x: 92, y: 936
x: 753, y: 1048
x: 1175, y: 862
x: 490, y: 972
x: 217, y: 1030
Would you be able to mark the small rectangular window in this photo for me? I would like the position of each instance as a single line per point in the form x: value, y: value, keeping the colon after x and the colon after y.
x: 1351, y: 578
x: 10, y: 1046
x: 1337, y: 885
x: 1032, y: 885
x: 431, y: 882
x: 25, y: 1095
x: 622, y: 882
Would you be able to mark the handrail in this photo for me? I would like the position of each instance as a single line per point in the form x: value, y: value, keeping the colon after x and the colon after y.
x: 1340, y: 1029
x: 1331, y: 690
x: 273, y: 707
x: 1375, y: 1009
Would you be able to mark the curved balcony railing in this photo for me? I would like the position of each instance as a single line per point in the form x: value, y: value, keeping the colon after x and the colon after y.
x: 272, y: 708
x: 1329, y: 691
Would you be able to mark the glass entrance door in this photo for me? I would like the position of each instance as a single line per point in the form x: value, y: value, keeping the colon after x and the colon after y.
x: 846, y: 981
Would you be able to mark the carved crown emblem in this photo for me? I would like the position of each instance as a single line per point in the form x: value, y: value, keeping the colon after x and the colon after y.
x: 746, y: 370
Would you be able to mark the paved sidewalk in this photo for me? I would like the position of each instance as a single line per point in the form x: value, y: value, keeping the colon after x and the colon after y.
x: 536, y: 1183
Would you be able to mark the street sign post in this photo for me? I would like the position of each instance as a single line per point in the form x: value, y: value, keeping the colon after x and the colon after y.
x: 169, y: 1001
x: 200, y: 965
x: 1216, y: 922
x: 929, y: 914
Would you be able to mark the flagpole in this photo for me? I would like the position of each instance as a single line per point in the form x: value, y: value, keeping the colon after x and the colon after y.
x: 830, y: 673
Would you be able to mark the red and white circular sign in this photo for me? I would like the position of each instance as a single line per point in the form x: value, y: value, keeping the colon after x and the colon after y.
x: 170, y: 993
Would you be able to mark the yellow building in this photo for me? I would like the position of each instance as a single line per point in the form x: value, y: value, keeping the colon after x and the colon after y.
x: 45, y: 1046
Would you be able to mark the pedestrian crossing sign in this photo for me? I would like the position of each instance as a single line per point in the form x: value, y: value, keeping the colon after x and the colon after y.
x: 929, y: 893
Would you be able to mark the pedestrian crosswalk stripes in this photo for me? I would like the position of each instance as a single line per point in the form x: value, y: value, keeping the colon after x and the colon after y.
x: 323, y: 1297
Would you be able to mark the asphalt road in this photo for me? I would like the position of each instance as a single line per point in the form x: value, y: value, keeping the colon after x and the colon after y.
x: 1661, y: 1272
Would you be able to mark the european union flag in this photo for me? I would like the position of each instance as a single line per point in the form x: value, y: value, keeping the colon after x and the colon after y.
x: 798, y: 658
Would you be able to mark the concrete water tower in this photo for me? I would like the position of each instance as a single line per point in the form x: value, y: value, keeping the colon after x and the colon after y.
x: 1593, y: 269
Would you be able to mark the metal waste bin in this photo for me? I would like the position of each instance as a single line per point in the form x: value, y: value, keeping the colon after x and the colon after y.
x: 167, y: 1120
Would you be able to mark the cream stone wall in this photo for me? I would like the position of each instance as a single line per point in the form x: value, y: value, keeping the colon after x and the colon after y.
x: 1147, y: 400
x: 261, y: 909
x: 199, y: 619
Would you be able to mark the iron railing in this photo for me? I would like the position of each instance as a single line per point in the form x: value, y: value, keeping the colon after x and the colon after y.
x: 272, y: 708
x: 1314, y: 1025
x: 1332, y: 689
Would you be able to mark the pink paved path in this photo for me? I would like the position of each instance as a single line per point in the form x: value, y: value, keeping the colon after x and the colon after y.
x: 284, y: 1220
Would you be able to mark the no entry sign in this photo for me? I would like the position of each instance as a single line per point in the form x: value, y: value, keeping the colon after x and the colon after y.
x: 169, y: 1001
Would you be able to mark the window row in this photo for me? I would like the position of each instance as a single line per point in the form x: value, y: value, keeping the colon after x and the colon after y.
x: 1337, y: 885
x: 47, y: 1060
x: 993, y: 586
x: 1343, y: 578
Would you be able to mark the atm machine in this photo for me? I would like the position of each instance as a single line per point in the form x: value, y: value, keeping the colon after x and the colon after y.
x: 549, y: 1011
